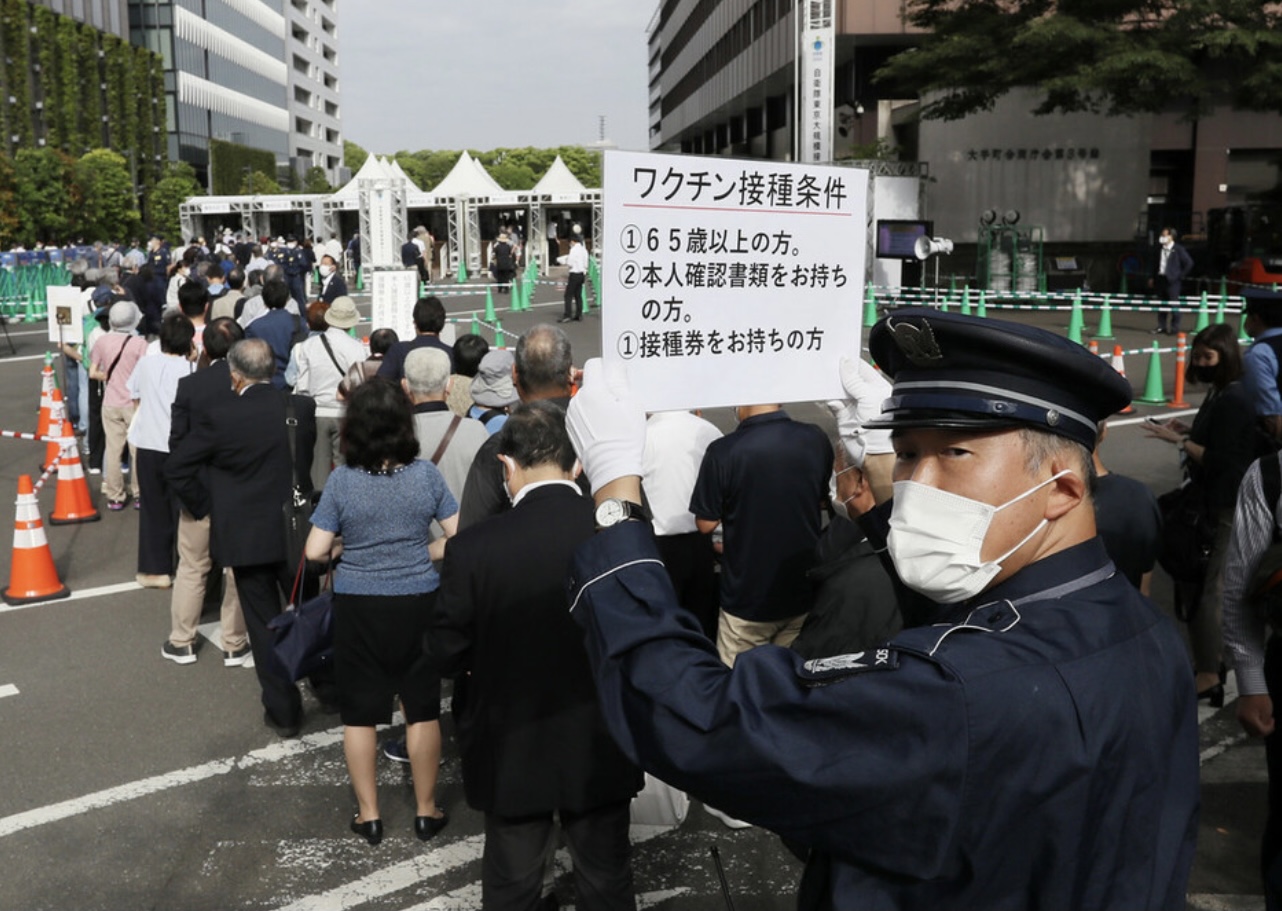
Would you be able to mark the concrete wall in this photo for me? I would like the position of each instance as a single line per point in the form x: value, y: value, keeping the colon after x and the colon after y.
x: 1082, y: 177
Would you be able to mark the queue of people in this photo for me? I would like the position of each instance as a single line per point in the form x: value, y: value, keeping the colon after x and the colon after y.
x: 900, y: 648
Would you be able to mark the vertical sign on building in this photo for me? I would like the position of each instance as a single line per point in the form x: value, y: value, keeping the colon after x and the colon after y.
x: 818, y: 52
x: 731, y: 282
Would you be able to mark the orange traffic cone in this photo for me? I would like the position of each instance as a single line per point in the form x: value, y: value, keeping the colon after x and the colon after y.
x: 58, y: 428
x: 1121, y: 368
x: 47, y: 387
x: 73, y: 503
x: 32, y: 573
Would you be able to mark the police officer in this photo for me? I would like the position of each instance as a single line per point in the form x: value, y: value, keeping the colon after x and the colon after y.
x: 1036, y: 748
x: 294, y: 265
x: 157, y: 255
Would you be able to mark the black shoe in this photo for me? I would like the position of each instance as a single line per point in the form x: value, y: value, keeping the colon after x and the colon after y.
x: 1214, y: 696
x: 284, y: 730
x: 1160, y: 330
x: 371, y: 830
x: 564, y: 319
x: 427, y: 826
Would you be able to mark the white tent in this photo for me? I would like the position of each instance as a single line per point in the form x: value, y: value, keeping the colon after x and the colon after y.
x: 467, y: 178
x: 559, y: 181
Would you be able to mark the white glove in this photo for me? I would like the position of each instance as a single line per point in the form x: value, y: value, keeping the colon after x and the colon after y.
x: 866, y: 389
x: 606, y: 425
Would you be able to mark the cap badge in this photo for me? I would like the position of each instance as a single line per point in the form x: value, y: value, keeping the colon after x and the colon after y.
x: 917, y: 344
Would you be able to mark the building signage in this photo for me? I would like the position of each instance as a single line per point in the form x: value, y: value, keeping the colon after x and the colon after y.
x: 818, y: 53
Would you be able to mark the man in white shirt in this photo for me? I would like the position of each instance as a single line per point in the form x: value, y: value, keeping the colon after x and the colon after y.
x: 577, y: 260
x: 323, y: 361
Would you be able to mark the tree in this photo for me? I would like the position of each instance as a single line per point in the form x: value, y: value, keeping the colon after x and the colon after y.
x: 177, y: 186
x: 43, y: 189
x: 10, y: 224
x: 108, y: 209
x: 1111, y: 56
x: 353, y: 155
x: 315, y: 181
x: 256, y: 182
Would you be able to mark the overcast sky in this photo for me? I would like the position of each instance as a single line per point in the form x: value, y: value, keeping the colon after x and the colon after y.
x: 480, y: 74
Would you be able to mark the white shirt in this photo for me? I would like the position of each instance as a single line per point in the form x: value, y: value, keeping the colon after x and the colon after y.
x: 317, y: 375
x: 154, y: 384
x: 675, y: 442
x: 520, y: 494
x: 577, y: 259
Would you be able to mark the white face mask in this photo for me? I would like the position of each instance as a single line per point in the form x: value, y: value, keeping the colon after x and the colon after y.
x: 1168, y: 241
x: 839, y: 506
x: 326, y: 269
x: 936, y: 538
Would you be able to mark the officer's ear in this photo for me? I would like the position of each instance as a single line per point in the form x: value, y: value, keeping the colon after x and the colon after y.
x: 1068, y: 490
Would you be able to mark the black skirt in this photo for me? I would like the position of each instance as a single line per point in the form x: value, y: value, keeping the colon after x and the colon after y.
x: 378, y: 654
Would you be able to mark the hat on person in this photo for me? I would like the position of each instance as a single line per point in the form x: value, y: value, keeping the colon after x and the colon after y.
x: 123, y: 315
x: 102, y: 295
x: 492, y: 385
x: 957, y: 372
x: 503, y: 237
x: 342, y: 313
x: 1257, y: 300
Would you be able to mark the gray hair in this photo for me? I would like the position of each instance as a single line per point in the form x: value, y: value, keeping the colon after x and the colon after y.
x: 253, y: 359
x: 543, y: 360
x: 427, y: 371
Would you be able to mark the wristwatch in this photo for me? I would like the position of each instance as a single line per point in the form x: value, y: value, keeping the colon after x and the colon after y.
x: 613, y: 511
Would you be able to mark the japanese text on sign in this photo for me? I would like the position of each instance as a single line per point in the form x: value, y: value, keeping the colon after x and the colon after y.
x: 731, y: 282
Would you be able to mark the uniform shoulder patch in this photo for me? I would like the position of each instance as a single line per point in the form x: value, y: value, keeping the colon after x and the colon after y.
x: 823, y: 670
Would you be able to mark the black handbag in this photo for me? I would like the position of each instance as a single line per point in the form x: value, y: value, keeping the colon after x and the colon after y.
x: 303, y: 634
x: 1187, y: 533
x: 297, y: 510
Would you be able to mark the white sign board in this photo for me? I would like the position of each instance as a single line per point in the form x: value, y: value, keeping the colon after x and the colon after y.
x: 381, y: 247
x: 818, y: 55
x: 394, y: 296
x: 729, y: 282
x: 66, y: 314
x: 215, y: 208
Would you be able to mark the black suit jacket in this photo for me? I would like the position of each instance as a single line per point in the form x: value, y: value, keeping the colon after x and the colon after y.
x: 197, y: 396
x: 528, y: 722
x: 233, y: 465
x: 336, y: 288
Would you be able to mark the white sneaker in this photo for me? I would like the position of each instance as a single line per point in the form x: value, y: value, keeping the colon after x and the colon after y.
x: 730, y: 821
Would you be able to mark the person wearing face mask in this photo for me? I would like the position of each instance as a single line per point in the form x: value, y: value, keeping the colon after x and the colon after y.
x: 333, y: 285
x: 1173, y: 265
x: 1216, y: 452
x: 1036, y: 746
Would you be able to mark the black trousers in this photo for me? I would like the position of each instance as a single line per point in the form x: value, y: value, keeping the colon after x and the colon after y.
x: 97, y: 437
x: 261, y: 588
x: 1164, y: 290
x: 516, y: 849
x: 554, y: 251
x: 158, y: 515
x: 1271, y: 844
x: 574, y: 296
x: 692, y: 566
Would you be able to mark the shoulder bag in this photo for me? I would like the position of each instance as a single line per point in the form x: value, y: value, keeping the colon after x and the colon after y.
x: 303, y: 634
x: 297, y: 509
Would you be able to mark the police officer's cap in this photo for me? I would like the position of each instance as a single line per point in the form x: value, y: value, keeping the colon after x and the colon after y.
x: 1261, y: 300
x: 966, y: 373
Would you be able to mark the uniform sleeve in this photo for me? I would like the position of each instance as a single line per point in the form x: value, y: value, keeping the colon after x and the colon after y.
x: 1253, y: 525
x: 1260, y: 378
x: 868, y: 766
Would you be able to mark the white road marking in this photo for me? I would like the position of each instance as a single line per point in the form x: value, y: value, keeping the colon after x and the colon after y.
x: 78, y: 596
x: 8, y: 690
x: 28, y: 357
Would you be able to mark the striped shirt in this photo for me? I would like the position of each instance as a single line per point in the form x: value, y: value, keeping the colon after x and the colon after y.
x: 1244, y: 628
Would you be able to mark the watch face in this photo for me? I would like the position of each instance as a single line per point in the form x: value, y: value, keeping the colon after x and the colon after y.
x: 610, y: 512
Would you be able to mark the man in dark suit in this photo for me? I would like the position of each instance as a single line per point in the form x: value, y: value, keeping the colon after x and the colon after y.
x: 429, y: 320
x: 1173, y: 265
x: 234, y: 466
x: 197, y: 396
x: 278, y: 327
x: 530, y: 730
x: 333, y: 285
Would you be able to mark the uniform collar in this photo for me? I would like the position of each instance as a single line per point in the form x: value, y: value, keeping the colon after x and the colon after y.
x: 1059, y: 569
x: 767, y: 418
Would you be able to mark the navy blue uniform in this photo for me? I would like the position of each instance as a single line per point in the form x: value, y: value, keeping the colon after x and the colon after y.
x: 294, y: 264
x: 1037, y: 751
x: 159, y: 260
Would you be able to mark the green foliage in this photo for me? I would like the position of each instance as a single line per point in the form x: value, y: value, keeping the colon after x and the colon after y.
x: 1114, y: 56
x: 108, y: 208
x: 353, y: 155
x: 14, y: 35
x: 9, y: 221
x: 163, y: 199
x: 257, y: 182
x: 229, y: 162
x: 513, y: 169
x: 315, y: 181
x: 43, y: 194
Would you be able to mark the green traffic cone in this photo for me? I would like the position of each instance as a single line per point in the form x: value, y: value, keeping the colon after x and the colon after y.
x: 489, y: 305
x: 360, y: 279
x: 476, y: 325
x: 29, y: 313
x: 1105, y: 332
x: 498, y: 333
x: 870, y: 307
x: 461, y: 275
x: 1122, y: 290
x: 1203, y: 316
x: 1153, y: 392
x: 1076, y: 324
x: 982, y: 309
x: 1219, y: 310
x: 965, y: 306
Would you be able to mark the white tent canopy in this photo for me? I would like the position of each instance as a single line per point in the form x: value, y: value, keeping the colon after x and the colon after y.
x: 558, y: 181
x: 468, y: 178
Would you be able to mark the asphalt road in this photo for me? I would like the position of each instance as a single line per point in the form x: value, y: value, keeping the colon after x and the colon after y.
x: 129, y: 782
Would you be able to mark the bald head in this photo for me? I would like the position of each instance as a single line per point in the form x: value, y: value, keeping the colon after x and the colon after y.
x: 543, y: 363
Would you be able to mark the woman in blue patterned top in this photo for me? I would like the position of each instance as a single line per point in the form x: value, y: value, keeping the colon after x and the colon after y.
x: 382, y: 503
